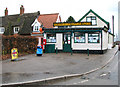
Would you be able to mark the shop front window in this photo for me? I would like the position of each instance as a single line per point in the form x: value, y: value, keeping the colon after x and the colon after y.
x: 51, y: 38
x: 79, y: 37
x: 93, y: 38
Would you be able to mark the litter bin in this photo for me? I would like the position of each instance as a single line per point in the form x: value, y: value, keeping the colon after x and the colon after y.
x: 39, y: 51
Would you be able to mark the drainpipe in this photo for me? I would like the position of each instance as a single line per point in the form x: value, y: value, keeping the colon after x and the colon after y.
x: 113, y: 28
x: 101, y: 41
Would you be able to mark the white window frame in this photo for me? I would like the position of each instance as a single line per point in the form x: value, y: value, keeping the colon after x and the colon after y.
x: 2, y: 28
x: 36, y: 29
x: 92, y: 39
x: 51, y: 37
x: 92, y: 19
x: 15, y: 30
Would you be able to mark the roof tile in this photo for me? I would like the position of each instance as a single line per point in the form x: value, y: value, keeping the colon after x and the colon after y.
x: 48, y: 19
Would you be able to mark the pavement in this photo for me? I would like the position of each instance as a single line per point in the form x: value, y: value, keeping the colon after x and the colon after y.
x: 31, y: 67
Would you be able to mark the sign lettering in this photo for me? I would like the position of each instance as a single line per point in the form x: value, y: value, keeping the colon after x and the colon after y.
x: 73, y: 24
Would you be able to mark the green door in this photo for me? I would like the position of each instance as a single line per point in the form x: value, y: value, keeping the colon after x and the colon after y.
x: 67, y: 42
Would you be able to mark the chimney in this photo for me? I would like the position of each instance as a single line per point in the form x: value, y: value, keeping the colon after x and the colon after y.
x: 21, y: 10
x: 6, y: 12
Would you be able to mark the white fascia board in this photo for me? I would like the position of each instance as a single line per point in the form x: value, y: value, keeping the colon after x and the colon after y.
x: 36, y: 22
x: 58, y: 18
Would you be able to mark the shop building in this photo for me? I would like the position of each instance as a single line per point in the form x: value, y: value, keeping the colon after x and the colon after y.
x: 91, y: 32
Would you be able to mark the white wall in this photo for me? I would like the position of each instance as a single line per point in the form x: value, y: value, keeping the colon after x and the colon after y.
x: 85, y: 46
x: 105, y: 40
x: 59, y: 43
x: 58, y: 19
x: 36, y: 23
x: 110, y: 43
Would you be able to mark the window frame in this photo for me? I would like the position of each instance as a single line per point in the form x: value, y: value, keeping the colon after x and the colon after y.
x: 47, y: 38
x: 98, y: 37
x: 36, y: 29
x: 2, y: 29
x: 91, y: 17
x: 15, y: 30
x: 84, y: 37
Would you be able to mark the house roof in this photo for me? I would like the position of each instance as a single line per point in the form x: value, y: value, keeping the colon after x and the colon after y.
x: 23, y: 21
x: 94, y: 14
x: 47, y: 20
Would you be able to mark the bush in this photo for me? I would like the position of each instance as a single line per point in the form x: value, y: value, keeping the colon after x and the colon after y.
x: 24, y: 44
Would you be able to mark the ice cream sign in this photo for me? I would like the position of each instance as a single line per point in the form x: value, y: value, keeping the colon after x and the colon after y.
x: 14, y: 53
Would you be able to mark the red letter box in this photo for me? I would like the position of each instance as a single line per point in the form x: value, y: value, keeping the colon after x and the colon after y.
x: 44, y: 41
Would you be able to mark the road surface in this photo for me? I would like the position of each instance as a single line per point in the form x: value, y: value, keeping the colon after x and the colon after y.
x: 105, y: 76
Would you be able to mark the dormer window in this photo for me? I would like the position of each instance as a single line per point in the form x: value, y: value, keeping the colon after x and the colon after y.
x: 16, y: 30
x: 36, y: 29
x: 91, y: 19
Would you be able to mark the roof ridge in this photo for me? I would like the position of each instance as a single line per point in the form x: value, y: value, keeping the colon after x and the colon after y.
x: 19, y: 14
x: 94, y: 14
x: 99, y: 16
x: 49, y: 14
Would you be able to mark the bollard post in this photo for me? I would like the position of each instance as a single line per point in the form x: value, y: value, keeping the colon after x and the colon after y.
x: 71, y: 51
x: 88, y: 52
x: 56, y: 50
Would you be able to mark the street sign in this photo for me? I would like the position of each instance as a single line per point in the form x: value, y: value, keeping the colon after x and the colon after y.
x: 14, y: 53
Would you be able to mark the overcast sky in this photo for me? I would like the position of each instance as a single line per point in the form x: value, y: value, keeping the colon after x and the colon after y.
x: 66, y: 8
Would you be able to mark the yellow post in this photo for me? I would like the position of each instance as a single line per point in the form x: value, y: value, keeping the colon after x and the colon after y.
x: 14, y: 53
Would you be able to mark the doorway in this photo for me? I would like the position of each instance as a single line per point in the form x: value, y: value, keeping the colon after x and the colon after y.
x: 67, y: 42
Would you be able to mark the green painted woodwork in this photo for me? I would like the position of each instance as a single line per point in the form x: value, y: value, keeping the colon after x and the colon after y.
x: 67, y: 48
x: 62, y: 30
x: 50, y: 48
x: 67, y: 42
x: 94, y: 14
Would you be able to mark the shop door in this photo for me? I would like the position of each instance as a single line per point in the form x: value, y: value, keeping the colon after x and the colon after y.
x: 67, y: 42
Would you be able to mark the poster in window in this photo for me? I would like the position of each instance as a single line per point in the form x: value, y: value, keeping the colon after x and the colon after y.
x: 68, y: 41
x: 68, y: 38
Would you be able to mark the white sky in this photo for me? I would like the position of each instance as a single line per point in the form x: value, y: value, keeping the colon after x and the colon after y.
x: 66, y: 8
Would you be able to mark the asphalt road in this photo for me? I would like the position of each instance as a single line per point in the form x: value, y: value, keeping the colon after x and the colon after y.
x: 105, y: 76
x: 30, y: 68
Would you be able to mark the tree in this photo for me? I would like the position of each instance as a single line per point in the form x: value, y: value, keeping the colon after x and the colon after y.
x: 70, y: 19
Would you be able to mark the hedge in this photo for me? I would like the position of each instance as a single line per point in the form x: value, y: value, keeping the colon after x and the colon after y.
x: 24, y: 44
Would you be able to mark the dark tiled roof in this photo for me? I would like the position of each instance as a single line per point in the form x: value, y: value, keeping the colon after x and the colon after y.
x: 23, y: 21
